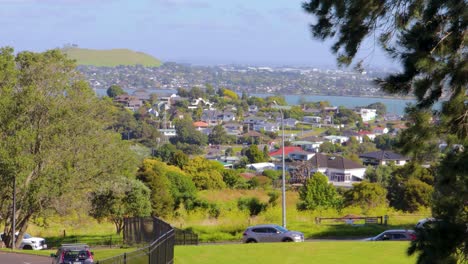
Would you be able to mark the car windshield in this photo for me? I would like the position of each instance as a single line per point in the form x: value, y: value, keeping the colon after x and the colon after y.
x: 27, y: 236
x: 282, y: 229
x: 75, y: 254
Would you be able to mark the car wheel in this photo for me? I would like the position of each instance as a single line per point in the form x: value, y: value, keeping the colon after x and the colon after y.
x: 251, y: 241
x: 287, y: 239
x: 27, y: 247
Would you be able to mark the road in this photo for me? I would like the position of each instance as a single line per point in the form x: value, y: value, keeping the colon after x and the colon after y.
x: 15, y: 258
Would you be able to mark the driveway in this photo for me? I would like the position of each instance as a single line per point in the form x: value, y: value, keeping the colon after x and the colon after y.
x: 16, y: 258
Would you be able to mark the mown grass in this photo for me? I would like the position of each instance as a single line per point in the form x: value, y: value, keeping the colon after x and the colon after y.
x: 111, y: 58
x: 332, y: 252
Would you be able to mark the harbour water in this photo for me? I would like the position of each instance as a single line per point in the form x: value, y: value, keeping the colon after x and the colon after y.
x: 394, y: 105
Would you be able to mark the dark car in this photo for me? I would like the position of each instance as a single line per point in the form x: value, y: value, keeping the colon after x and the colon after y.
x: 73, y: 254
x: 394, y: 235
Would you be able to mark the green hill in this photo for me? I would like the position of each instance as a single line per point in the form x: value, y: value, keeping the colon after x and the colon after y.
x: 111, y: 58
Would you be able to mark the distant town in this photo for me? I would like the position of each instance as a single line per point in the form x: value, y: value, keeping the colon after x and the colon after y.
x: 249, y: 79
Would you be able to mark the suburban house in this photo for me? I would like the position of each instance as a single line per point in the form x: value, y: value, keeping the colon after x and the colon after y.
x: 233, y: 128
x: 268, y: 127
x: 288, y: 122
x: 200, y: 101
x: 300, y: 155
x: 367, y: 114
x: 129, y: 101
x: 200, y: 125
x: 210, y: 116
x: 308, y: 145
x: 383, y: 157
x: 336, y: 139
x: 380, y: 130
x: 340, y: 171
x: 287, y: 150
x: 364, y: 133
x: 253, y: 109
x: 313, y: 119
x: 227, y: 116
x: 260, y: 167
x: 168, y: 132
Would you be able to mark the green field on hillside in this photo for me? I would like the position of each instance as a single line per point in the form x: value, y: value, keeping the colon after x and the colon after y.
x: 111, y: 58
x: 329, y: 252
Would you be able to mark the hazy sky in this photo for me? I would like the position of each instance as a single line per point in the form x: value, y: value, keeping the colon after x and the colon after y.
x: 260, y: 32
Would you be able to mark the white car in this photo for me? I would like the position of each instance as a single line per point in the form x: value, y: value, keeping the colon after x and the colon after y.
x: 31, y: 243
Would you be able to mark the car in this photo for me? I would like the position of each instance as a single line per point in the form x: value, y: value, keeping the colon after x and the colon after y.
x: 425, y: 222
x: 270, y: 233
x: 73, y: 254
x: 394, y: 235
x: 30, y: 243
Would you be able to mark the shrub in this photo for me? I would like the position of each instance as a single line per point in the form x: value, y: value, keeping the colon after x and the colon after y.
x: 252, y: 204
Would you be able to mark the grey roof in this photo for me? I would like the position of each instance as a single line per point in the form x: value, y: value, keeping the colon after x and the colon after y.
x: 383, y: 155
x: 336, y: 162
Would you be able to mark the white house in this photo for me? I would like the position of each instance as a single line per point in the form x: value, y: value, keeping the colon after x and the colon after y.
x: 340, y: 171
x: 261, y: 166
x: 337, y: 139
x: 383, y: 157
x: 367, y: 114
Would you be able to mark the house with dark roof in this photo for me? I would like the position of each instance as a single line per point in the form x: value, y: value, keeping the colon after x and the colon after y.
x: 340, y: 171
x: 383, y: 157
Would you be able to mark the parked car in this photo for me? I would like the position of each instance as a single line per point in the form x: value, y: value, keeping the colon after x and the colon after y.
x: 271, y: 233
x: 73, y: 254
x: 394, y: 235
x: 29, y: 242
x: 426, y: 221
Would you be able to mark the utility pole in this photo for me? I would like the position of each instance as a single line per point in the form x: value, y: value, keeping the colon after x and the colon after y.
x: 13, y: 215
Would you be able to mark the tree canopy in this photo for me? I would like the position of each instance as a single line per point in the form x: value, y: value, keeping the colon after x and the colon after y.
x: 428, y: 38
x: 53, y: 136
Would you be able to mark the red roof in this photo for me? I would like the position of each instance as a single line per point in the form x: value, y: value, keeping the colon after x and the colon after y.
x: 287, y: 150
x: 363, y: 132
x: 200, y: 124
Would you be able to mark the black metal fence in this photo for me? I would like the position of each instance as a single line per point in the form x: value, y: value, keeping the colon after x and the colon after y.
x: 160, y: 251
x: 160, y: 236
x: 185, y: 237
x: 109, y: 241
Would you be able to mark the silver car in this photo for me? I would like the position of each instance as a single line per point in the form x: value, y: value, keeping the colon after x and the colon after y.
x: 270, y: 233
x: 394, y: 235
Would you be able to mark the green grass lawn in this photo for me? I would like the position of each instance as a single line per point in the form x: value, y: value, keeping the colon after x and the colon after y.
x: 111, y: 58
x: 346, y: 252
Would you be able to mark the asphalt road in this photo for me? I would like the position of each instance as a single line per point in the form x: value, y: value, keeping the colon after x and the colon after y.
x: 15, y: 258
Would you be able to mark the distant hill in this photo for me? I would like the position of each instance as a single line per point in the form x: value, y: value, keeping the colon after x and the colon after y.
x: 111, y: 58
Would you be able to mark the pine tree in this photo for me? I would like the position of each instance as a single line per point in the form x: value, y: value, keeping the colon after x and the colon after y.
x: 428, y: 38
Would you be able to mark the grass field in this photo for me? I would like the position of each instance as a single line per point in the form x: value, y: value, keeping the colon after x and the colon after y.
x: 309, y: 252
x: 111, y: 58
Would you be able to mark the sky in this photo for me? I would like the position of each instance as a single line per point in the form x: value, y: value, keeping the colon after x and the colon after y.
x: 204, y: 32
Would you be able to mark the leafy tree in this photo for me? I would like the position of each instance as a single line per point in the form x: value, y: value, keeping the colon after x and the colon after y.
x: 410, y: 187
x: 230, y: 94
x: 329, y: 147
x: 165, y: 152
x: 218, y: 135
x: 206, y: 174
x: 186, y: 133
x: 183, y: 189
x: 209, y: 89
x: 428, y: 38
x: 317, y: 193
x: 254, y: 154
x: 366, y: 195
x: 380, y: 107
x: 385, y: 142
x: 119, y: 199
x: 179, y: 159
x: 115, y: 90
x: 53, y: 137
x: 380, y: 174
x: 251, y: 204
x: 347, y: 117
x: 231, y: 178
x: 153, y: 174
